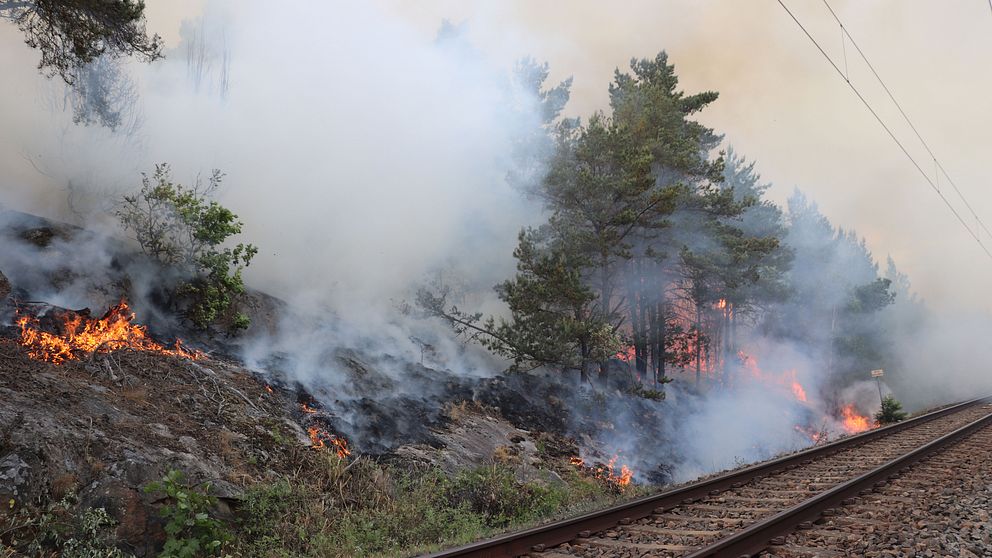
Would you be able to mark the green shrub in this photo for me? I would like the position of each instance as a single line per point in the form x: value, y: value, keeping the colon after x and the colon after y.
x: 494, y: 493
x: 333, y: 509
x: 190, y: 530
x: 95, y: 537
x: 890, y: 412
x: 183, y: 229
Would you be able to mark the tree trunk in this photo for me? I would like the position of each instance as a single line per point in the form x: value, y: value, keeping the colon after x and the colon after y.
x: 605, y: 295
x: 584, y: 365
x: 660, y: 331
x: 638, y: 319
x: 699, y: 345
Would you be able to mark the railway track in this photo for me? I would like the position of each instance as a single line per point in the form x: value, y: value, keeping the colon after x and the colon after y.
x: 743, y: 512
x: 940, y: 507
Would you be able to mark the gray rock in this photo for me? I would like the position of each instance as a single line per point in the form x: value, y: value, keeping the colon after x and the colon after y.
x: 14, y: 473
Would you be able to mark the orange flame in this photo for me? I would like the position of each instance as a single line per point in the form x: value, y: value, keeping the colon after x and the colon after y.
x: 798, y: 391
x: 722, y: 303
x: 853, y: 421
x: 627, y: 354
x: 607, y: 472
x: 814, y: 436
x: 268, y: 388
x: 320, y: 439
x: 83, y: 335
x: 307, y: 408
x: 786, y: 379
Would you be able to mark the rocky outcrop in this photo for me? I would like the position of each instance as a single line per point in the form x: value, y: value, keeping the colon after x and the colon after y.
x: 102, y: 428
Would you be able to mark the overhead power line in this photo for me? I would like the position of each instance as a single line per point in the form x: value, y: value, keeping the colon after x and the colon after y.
x: 892, y: 97
x: 888, y: 130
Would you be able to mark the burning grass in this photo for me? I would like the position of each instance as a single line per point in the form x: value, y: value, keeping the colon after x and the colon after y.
x: 613, y: 477
x: 79, y: 335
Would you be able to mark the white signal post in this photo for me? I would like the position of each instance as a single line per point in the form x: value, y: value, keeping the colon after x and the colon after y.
x: 878, y: 374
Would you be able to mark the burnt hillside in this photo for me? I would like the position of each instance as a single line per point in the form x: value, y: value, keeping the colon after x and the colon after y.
x: 90, y: 424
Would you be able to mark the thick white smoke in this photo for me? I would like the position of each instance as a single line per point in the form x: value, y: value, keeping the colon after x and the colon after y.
x: 360, y: 154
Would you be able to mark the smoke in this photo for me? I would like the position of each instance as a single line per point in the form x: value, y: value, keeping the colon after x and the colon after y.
x: 364, y: 158
x: 360, y: 155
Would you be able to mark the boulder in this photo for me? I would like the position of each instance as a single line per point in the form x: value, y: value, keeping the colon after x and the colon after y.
x: 14, y: 476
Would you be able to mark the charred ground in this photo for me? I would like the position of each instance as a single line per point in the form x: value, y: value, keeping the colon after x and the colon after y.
x: 92, y: 433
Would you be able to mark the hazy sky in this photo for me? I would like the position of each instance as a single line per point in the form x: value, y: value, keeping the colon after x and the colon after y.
x: 780, y: 102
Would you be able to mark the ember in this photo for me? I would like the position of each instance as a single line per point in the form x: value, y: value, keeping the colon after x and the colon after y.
x: 321, y: 439
x: 83, y: 336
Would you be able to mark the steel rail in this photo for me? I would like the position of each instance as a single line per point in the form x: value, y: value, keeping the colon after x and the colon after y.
x: 538, y: 538
x: 756, y: 538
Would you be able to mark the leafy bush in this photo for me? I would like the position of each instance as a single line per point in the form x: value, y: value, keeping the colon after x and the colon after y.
x: 890, y: 412
x: 638, y: 390
x: 190, y: 529
x: 95, y: 538
x: 183, y: 229
x: 331, y: 508
x: 59, y: 528
x: 494, y: 493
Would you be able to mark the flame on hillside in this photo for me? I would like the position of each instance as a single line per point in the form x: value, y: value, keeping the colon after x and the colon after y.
x: 81, y: 335
x: 322, y: 439
x: 607, y: 472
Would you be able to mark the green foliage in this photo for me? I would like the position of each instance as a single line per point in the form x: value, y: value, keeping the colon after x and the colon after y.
x: 601, y: 273
x: 891, y: 411
x: 182, y: 229
x: 95, y: 538
x: 494, y: 493
x: 60, y: 526
x: 190, y: 529
x: 553, y: 319
x: 639, y: 390
x: 370, y: 510
x: 70, y: 34
x: 240, y: 321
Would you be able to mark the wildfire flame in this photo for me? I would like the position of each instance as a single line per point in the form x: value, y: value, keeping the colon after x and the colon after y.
x: 721, y: 304
x: 787, y: 378
x: 798, y: 391
x: 853, y: 421
x: 268, y: 388
x: 307, y: 409
x: 83, y: 336
x: 627, y: 354
x: 607, y: 472
x: 321, y: 439
x: 815, y: 436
